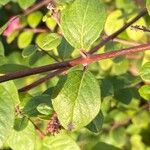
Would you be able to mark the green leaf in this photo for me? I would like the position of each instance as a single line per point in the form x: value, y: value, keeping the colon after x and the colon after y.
x: 48, y: 41
x: 7, y: 68
x: 145, y: 92
x: 34, y: 19
x: 29, y: 50
x: 20, y: 123
x: 145, y: 71
x: 8, y: 97
x: 137, y: 142
x: 106, y: 64
x: 11, y: 90
x: 114, y: 22
x: 78, y: 102
x: 25, y: 39
x: 3, y: 2
x: 12, y: 36
x: 138, y: 119
x: 148, y: 6
x: 35, y: 57
x: 50, y: 23
x: 31, y: 107
x: 136, y: 35
x: 96, y: 124
x: 120, y: 67
x: 3, y: 60
x: 65, y: 49
x: 106, y: 88
x: 118, y: 136
x: 126, y: 5
x: 82, y: 22
x: 45, y: 109
x: 22, y: 140
x: 24, y: 4
x: 104, y: 146
x: 60, y: 141
x: 1, y: 48
x: 124, y: 95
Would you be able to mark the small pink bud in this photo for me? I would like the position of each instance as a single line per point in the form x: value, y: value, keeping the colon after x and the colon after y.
x: 13, y: 25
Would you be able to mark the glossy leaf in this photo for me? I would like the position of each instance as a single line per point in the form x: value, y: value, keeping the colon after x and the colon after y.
x: 79, y: 100
x: 28, y: 51
x: 12, y: 36
x: 34, y: 19
x: 25, y: 39
x: 48, y: 41
x: 24, y: 4
x: 80, y: 23
x: 31, y: 107
x: 145, y: 92
x: 144, y: 71
x: 96, y: 124
x: 50, y: 23
x: 61, y: 141
x: 133, y: 34
x: 45, y: 109
x: 114, y: 22
x: 65, y: 49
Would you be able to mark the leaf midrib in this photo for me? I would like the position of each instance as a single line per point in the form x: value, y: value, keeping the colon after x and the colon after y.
x: 82, y: 29
x: 78, y: 91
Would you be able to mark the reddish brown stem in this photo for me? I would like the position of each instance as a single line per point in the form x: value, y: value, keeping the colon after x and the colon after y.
x: 36, y: 30
x: 142, y: 13
x: 66, y: 64
x: 41, y: 80
x: 78, y: 61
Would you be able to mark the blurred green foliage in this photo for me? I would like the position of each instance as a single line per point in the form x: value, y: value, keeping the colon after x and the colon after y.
x: 123, y: 120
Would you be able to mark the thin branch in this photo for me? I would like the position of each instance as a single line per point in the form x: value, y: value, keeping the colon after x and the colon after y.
x: 125, y: 42
x: 36, y: 7
x: 36, y: 30
x: 41, y: 80
x: 77, y: 61
x: 39, y: 131
x: 70, y: 63
x: 112, y: 36
x: 140, y: 28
